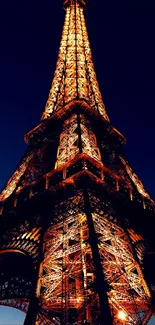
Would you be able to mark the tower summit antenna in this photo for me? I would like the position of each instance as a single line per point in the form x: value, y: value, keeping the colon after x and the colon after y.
x: 71, y: 2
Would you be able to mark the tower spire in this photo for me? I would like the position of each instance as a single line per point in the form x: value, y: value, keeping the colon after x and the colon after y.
x: 75, y: 76
x: 69, y: 2
x: 74, y: 209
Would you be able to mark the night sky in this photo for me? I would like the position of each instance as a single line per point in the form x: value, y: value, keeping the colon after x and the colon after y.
x: 122, y: 40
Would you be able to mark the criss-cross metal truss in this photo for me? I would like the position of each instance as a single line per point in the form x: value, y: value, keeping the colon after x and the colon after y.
x: 69, y: 140
x: 24, y: 238
x: 75, y: 76
x: 74, y: 79
x: 128, y: 290
x: 67, y: 281
x: 73, y: 206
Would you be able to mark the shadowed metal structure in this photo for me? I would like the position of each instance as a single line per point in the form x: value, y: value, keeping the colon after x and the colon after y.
x: 73, y: 232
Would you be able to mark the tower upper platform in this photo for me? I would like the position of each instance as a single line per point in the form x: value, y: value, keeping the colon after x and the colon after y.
x: 75, y: 76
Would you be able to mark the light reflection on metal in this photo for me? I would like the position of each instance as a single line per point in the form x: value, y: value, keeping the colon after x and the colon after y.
x: 13, y: 181
x: 69, y: 141
x: 74, y: 77
x: 68, y: 256
x: 66, y: 274
x: 135, y: 179
x: 128, y: 287
x: 121, y: 315
x: 69, y: 2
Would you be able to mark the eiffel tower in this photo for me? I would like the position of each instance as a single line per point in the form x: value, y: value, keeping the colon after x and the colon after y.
x: 73, y: 214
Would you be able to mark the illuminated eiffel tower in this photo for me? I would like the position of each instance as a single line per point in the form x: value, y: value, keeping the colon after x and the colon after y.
x: 73, y: 214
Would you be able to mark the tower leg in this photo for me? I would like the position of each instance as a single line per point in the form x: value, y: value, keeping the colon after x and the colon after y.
x: 101, y: 285
x: 30, y: 318
x: 31, y: 315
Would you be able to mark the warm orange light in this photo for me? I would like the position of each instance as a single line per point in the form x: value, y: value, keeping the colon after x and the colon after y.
x: 121, y: 315
x: 73, y: 77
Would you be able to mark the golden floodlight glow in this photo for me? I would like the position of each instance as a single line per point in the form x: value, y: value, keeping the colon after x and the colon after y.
x: 64, y: 252
x: 121, y: 315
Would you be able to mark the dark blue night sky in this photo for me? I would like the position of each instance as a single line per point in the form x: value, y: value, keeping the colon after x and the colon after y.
x: 122, y: 39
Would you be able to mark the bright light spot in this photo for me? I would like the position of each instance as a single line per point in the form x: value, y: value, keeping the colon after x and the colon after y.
x: 121, y: 315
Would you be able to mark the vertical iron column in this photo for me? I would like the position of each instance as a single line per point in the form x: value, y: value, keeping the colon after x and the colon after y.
x: 101, y: 285
x: 79, y: 133
x: 33, y: 305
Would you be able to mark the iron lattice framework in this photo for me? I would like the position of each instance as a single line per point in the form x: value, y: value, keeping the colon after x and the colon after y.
x: 74, y: 212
